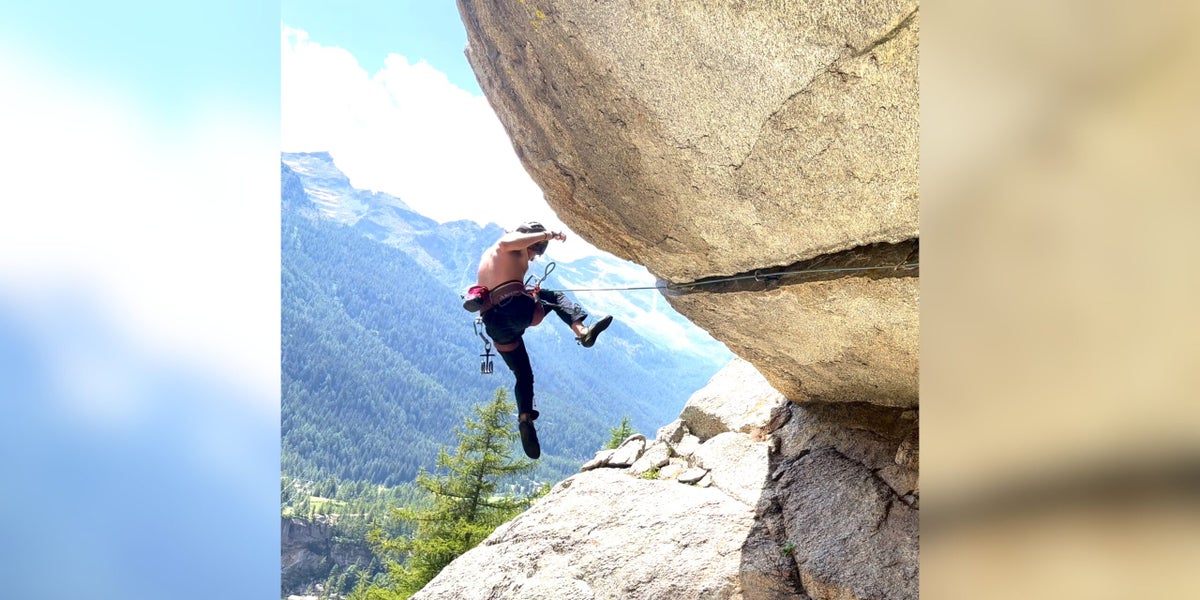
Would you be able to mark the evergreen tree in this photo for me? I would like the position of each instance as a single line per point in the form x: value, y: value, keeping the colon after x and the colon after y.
x: 620, y: 433
x: 327, y: 592
x: 466, y: 507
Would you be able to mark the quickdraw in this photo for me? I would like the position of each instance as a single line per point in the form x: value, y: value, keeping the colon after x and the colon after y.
x: 537, y: 281
x: 485, y: 365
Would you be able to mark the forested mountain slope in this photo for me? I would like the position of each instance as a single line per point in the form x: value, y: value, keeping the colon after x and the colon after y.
x: 380, y: 361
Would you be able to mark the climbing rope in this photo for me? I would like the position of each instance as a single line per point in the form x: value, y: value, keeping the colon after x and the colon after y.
x: 534, y: 284
x: 757, y: 276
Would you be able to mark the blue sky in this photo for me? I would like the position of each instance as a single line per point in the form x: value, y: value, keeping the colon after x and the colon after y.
x: 371, y: 29
x: 169, y: 57
x: 386, y: 89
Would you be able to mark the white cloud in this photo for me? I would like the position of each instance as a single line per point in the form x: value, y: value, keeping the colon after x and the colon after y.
x: 169, y: 229
x: 407, y: 131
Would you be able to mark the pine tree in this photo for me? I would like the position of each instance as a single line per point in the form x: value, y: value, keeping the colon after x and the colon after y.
x: 620, y: 433
x: 466, y: 507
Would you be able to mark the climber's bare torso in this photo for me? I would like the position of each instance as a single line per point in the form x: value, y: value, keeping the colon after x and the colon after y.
x: 497, y: 266
x: 508, y: 259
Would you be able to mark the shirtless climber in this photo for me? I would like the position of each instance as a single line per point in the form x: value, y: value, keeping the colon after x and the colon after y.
x: 508, y: 309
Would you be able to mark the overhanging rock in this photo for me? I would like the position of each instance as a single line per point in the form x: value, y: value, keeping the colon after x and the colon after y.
x: 843, y: 341
x: 708, y: 138
x: 843, y: 329
x: 711, y: 139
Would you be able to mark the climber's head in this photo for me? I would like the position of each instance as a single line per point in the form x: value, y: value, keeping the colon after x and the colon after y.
x: 534, y: 227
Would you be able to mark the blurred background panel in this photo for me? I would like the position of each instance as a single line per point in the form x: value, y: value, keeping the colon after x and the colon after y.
x: 1060, y: 349
x: 139, y: 299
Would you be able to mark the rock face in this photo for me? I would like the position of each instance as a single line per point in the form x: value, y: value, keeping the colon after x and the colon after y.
x: 606, y: 534
x: 849, y: 339
x: 852, y: 535
x: 679, y: 134
x: 310, y: 550
x: 714, y: 139
x: 761, y: 159
x: 809, y: 501
x: 304, y: 548
x: 724, y: 404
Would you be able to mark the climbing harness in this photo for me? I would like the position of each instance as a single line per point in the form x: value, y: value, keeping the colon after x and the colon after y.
x: 485, y: 365
x: 478, y: 299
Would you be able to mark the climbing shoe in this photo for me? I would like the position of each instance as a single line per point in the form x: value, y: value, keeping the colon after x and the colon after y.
x: 588, y: 339
x: 529, y: 439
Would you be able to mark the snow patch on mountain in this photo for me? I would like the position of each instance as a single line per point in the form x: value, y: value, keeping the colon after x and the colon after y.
x: 645, y: 310
x: 332, y: 191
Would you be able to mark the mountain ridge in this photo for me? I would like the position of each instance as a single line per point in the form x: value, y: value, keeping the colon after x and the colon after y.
x: 380, y: 361
x: 387, y: 219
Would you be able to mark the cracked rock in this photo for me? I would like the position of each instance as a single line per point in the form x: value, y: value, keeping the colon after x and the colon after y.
x: 692, y: 475
x: 628, y: 452
x: 852, y: 535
